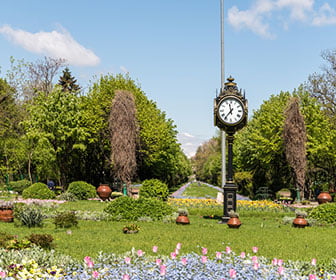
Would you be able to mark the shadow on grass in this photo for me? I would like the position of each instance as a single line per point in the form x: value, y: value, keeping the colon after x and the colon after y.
x: 212, y: 217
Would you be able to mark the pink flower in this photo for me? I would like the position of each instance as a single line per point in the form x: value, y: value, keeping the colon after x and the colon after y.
x: 140, y: 253
x: 242, y: 255
x: 313, y: 262
x: 204, y: 251
x: 95, y: 274
x: 218, y: 255
x: 162, y: 270
x: 87, y: 259
x: 281, y: 270
x: 178, y: 246
x: 275, y: 261
x: 255, y: 249
x: 256, y: 266
x: 204, y: 259
x: 184, y: 261
x: 173, y: 255
x: 333, y: 278
x: 312, y: 277
x: 2, y: 274
x: 158, y: 261
x: 177, y: 251
x: 90, y: 264
x: 155, y: 249
x: 280, y: 262
x: 127, y: 260
x: 126, y: 277
x: 232, y: 273
x: 254, y: 259
x: 228, y: 250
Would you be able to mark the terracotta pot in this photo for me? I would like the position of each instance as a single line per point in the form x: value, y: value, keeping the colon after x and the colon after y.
x: 6, y: 215
x: 104, y: 191
x: 182, y: 220
x: 234, y: 223
x: 324, y: 197
x: 300, y: 222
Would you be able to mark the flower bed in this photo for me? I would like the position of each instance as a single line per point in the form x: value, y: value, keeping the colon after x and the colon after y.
x: 136, y: 265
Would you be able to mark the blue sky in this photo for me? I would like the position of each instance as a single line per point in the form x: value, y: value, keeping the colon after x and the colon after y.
x: 172, y: 47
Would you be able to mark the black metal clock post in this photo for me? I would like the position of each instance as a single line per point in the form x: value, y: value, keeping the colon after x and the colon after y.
x: 230, y: 114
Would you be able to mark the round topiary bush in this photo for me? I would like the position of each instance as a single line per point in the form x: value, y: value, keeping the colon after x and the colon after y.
x: 82, y: 190
x: 127, y: 208
x: 325, y: 213
x: 19, y: 186
x: 38, y: 190
x: 154, y: 188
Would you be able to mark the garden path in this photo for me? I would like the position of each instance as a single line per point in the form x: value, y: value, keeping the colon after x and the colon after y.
x: 179, y: 192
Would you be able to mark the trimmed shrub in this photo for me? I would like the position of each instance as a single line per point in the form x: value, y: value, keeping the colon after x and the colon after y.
x: 126, y: 208
x: 82, y: 190
x: 28, y: 215
x: 66, y: 220
x: 39, y: 191
x: 42, y: 240
x: 154, y: 188
x: 19, y: 186
x: 67, y: 196
x: 325, y: 213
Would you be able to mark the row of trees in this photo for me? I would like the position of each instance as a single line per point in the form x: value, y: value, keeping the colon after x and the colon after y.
x: 290, y: 142
x: 58, y: 132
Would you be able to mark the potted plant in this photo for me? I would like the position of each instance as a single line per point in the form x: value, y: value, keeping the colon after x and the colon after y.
x: 182, y: 218
x: 6, y: 211
x: 131, y: 228
x: 234, y: 221
x: 300, y: 220
x: 324, y: 196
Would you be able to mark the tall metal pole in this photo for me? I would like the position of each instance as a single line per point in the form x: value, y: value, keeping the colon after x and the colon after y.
x: 222, y: 87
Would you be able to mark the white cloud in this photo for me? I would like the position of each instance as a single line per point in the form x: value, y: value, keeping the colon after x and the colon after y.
x: 325, y: 16
x: 57, y: 44
x: 255, y: 18
x: 189, y: 143
x: 252, y: 19
x: 299, y: 9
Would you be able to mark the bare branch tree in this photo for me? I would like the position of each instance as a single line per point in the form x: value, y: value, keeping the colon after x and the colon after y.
x: 42, y: 73
x: 124, y: 134
x: 295, y: 139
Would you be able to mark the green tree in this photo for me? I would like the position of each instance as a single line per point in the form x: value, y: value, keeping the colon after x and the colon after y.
x: 158, y: 154
x: 259, y: 148
x: 68, y: 82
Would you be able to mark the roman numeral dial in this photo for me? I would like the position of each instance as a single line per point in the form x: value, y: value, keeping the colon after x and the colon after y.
x: 230, y: 110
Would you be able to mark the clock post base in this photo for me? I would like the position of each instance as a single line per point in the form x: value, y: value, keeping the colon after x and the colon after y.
x: 230, y: 200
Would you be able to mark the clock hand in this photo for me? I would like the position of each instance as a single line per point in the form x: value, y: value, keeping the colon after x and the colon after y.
x: 230, y: 112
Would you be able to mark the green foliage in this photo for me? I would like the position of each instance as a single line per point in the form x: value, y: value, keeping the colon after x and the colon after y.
x: 42, y: 240
x: 244, y: 181
x: 19, y: 186
x: 126, y: 208
x: 68, y: 196
x: 66, y: 220
x: 82, y: 190
x: 207, y: 162
x: 28, y: 215
x: 154, y: 188
x: 116, y: 194
x: 38, y: 190
x: 4, y: 238
x: 325, y: 213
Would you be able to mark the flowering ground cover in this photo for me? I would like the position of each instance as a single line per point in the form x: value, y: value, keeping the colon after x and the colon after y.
x: 136, y: 264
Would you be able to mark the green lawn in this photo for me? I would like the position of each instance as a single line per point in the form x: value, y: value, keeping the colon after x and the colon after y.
x: 264, y: 230
x: 200, y: 190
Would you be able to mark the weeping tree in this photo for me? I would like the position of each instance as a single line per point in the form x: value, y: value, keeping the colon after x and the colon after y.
x: 124, y: 134
x: 295, y: 138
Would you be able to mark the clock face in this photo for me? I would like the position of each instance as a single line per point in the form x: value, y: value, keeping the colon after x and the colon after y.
x: 231, y: 110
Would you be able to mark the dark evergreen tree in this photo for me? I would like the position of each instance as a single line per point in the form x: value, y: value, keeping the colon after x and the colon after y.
x: 68, y: 82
